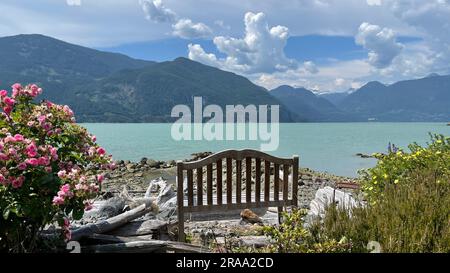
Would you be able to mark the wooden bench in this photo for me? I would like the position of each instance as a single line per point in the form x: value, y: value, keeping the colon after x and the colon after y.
x: 258, y: 196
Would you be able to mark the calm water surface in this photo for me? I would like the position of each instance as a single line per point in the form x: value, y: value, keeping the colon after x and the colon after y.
x: 328, y: 147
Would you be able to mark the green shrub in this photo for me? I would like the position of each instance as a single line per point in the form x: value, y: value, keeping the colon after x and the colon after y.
x: 409, y: 203
x: 396, y: 166
x: 292, y: 237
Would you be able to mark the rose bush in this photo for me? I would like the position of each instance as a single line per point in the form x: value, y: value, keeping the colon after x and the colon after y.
x: 50, y: 167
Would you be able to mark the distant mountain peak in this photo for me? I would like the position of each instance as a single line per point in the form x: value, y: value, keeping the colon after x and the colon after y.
x: 432, y: 75
x: 374, y: 84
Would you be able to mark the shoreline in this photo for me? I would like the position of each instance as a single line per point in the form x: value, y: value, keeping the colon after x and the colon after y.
x: 136, y: 177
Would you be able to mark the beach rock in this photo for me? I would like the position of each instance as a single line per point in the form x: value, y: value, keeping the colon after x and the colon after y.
x: 198, y: 156
x: 171, y: 163
x: 249, y: 216
x: 153, y: 163
x: 143, y: 161
x: 130, y: 167
x: 363, y: 155
x: 327, y: 196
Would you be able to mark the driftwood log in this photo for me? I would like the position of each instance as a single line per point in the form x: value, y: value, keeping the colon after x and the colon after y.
x: 111, y: 223
x: 138, y: 244
x: 141, y: 227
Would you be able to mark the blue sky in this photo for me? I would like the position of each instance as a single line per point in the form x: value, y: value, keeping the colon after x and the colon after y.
x: 302, y: 48
x: 323, y: 45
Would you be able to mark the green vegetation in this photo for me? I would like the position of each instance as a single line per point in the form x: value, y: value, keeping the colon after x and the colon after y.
x: 407, y: 209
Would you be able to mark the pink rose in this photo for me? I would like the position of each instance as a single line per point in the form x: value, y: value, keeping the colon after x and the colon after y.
x: 19, y: 137
x: 22, y: 166
x: 42, y: 118
x: 3, y: 180
x: 10, y: 139
x: 17, y: 183
x: 46, y: 126
x: 12, y: 152
x: 48, y: 169
x: 54, y: 153
x: 17, y: 86
x: 65, y: 188
x: 31, y: 150
x: 9, y: 101
x: 3, y: 157
x: 3, y: 93
x: 62, y: 174
x: 35, y: 90
x: 32, y: 161
x: 93, y: 138
x: 43, y: 161
x: 58, y: 200
x: 32, y: 153
x: 67, y: 110
x: 101, y: 151
x: 100, y: 178
x: 7, y: 110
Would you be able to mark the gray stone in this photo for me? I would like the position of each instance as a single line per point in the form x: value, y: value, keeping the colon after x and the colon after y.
x: 153, y: 163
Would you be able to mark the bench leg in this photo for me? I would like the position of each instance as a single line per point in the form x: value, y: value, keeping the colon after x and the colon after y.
x: 181, y: 237
x: 280, y: 210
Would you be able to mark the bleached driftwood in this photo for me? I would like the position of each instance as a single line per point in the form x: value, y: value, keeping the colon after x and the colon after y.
x: 111, y: 223
x: 145, y: 246
x: 141, y: 227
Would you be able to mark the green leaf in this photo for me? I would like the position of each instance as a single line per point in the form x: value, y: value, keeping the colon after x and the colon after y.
x: 78, y: 213
x: 6, y: 213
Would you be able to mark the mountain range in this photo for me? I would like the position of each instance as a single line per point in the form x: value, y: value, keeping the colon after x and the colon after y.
x: 109, y: 87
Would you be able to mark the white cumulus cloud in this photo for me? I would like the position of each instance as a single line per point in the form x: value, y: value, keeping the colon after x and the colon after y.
x: 380, y: 42
x: 186, y: 29
x: 156, y: 11
x: 374, y: 2
x: 431, y: 18
x: 260, y: 50
x: 73, y: 2
x: 310, y: 67
x: 197, y: 53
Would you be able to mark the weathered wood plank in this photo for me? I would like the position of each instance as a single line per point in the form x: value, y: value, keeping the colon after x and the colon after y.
x: 237, y: 206
x: 257, y: 180
x: 248, y: 180
x: 199, y: 174
x: 266, y: 181
x: 285, y: 182
x: 180, y: 201
x: 229, y: 180
x: 236, y: 155
x: 219, y: 181
x: 295, y: 180
x: 238, y: 181
x: 209, y: 184
x: 190, y: 186
x: 276, y: 187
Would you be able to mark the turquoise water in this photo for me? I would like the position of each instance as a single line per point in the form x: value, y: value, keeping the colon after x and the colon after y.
x: 327, y: 147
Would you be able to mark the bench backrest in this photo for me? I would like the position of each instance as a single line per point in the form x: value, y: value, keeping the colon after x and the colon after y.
x: 269, y: 172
